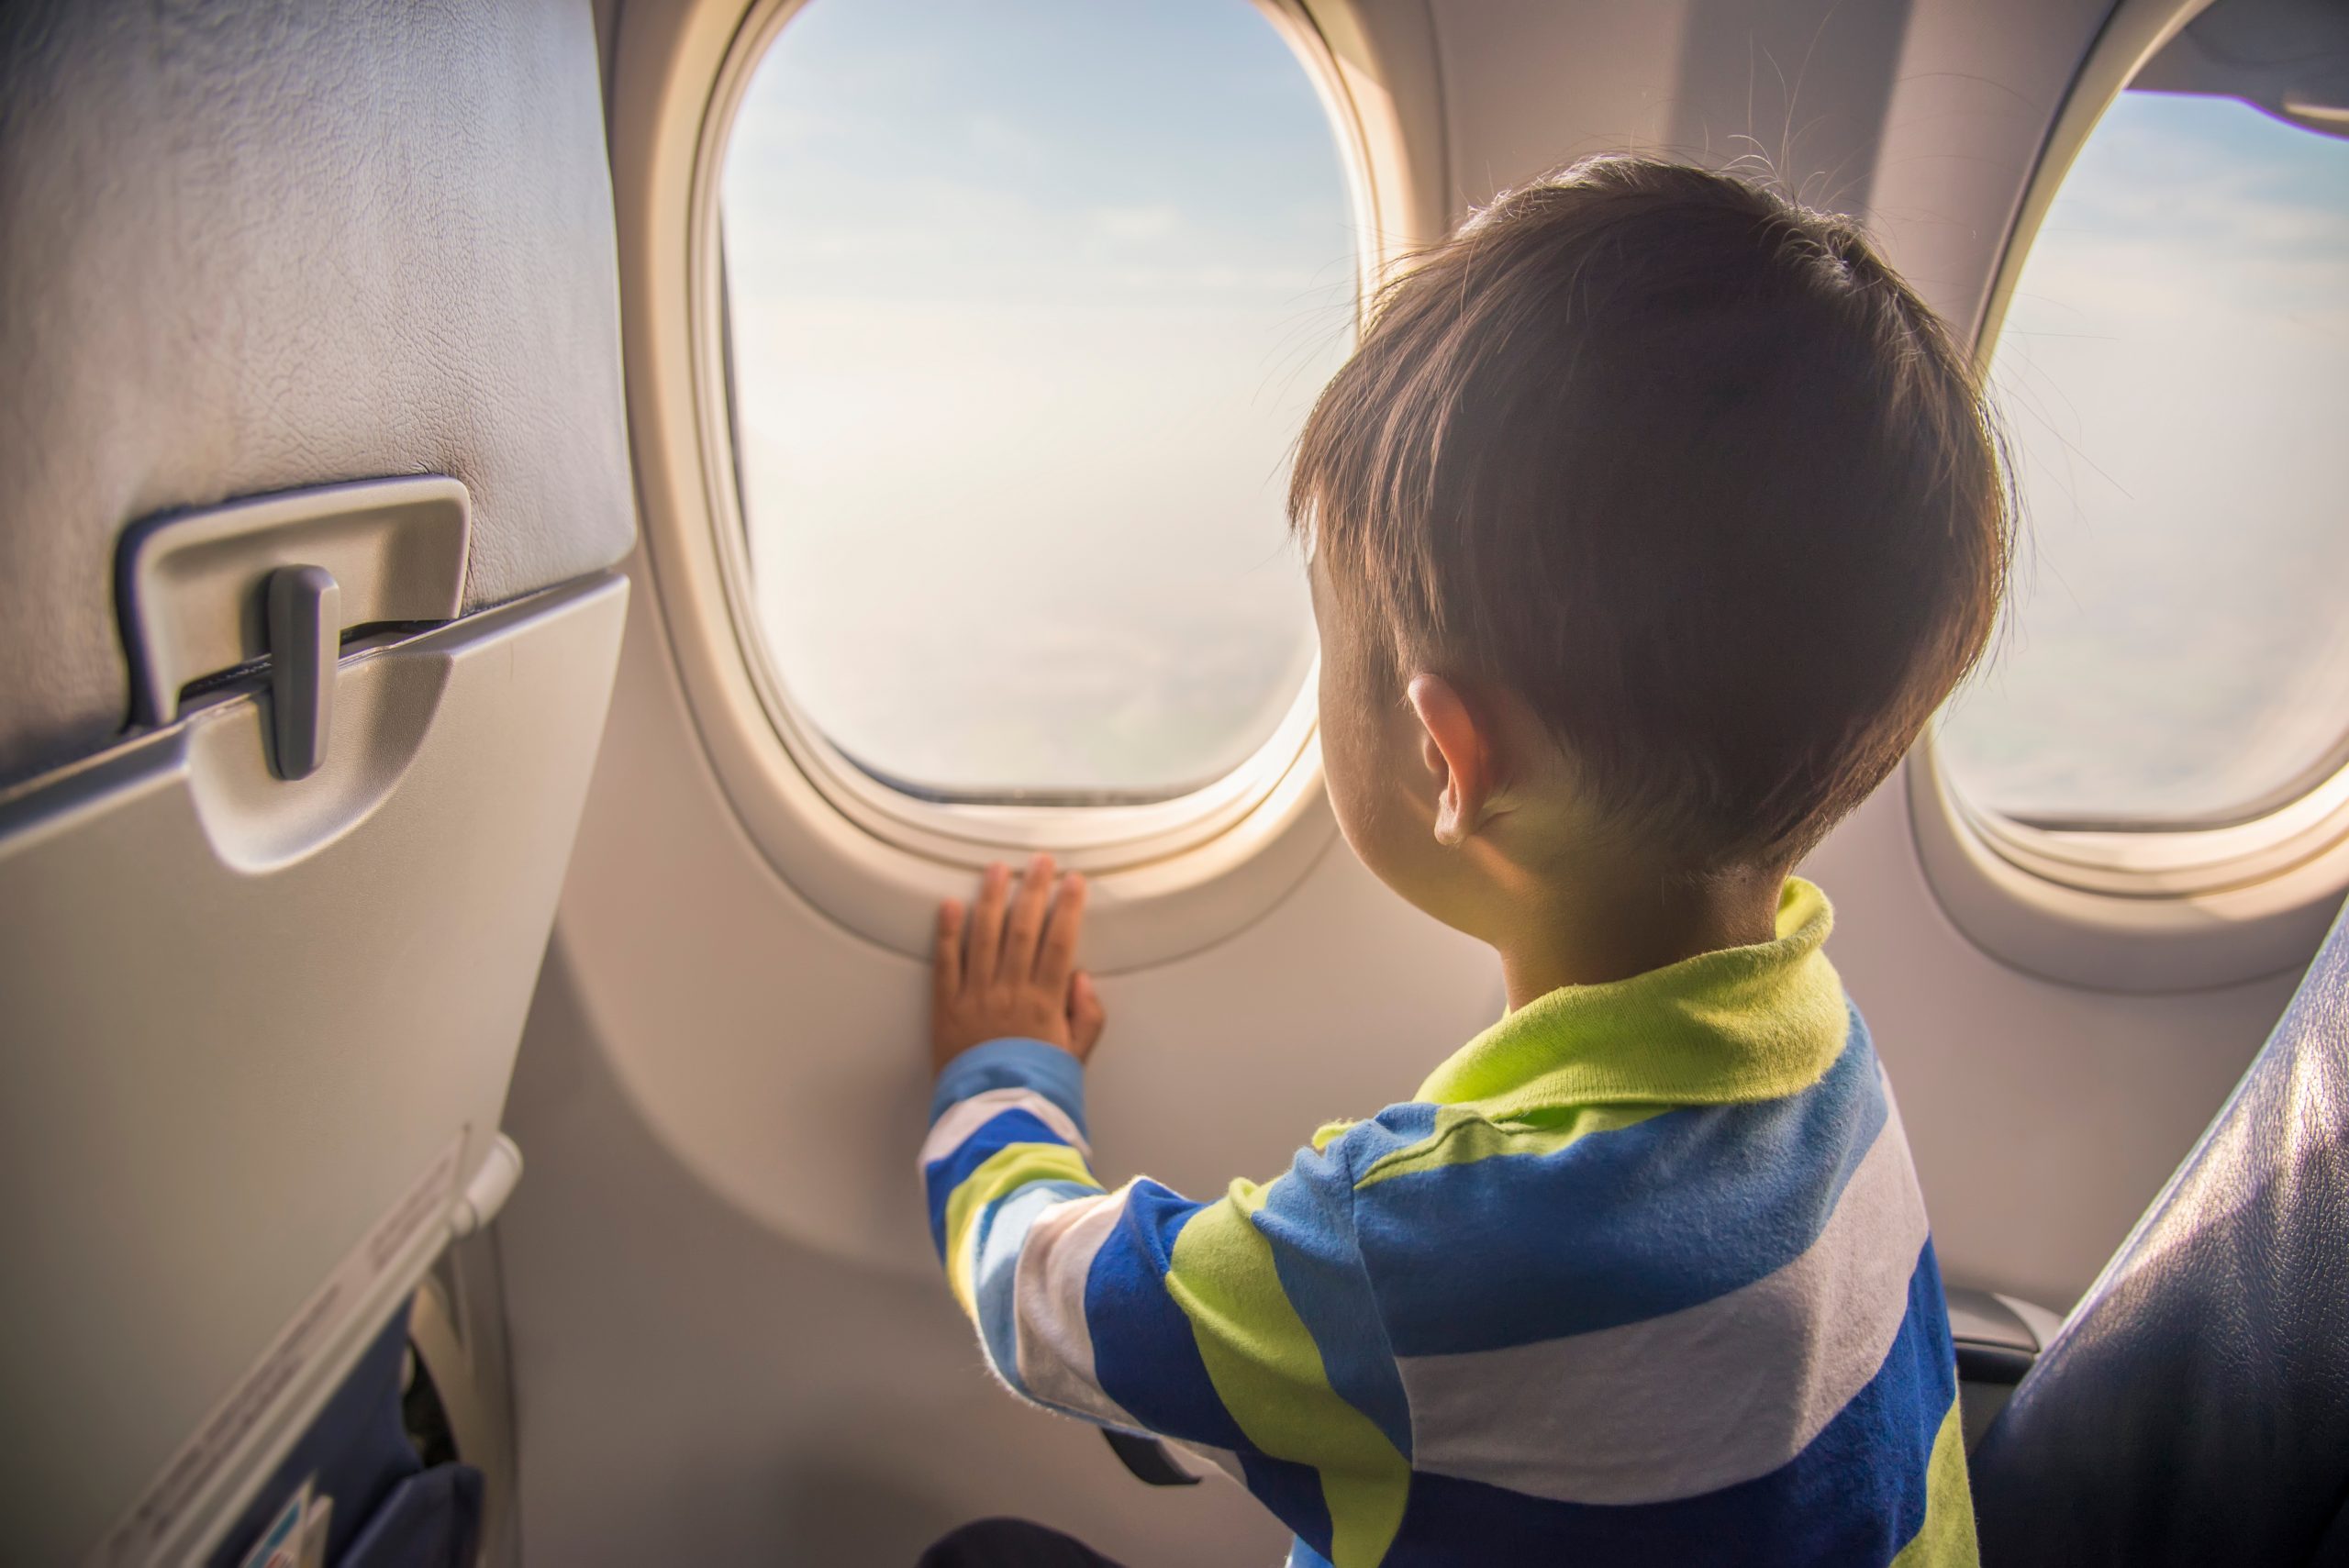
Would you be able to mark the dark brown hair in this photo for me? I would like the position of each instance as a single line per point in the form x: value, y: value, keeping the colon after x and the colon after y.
x: 1689, y: 470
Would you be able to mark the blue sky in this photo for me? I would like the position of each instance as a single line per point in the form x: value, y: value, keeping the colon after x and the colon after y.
x: 2171, y: 374
x: 1029, y: 302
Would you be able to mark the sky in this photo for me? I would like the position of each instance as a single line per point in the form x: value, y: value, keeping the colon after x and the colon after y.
x: 2173, y: 374
x: 1029, y: 302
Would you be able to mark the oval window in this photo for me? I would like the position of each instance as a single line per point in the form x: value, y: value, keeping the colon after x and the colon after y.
x: 2170, y: 369
x: 1026, y: 302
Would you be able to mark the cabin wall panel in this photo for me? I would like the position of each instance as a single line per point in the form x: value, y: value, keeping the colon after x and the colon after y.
x: 729, y: 1340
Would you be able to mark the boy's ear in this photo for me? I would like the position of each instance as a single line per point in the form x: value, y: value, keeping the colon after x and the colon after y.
x: 1457, y: 749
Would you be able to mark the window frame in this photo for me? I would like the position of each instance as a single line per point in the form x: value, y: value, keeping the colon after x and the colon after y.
x: 1170, y: 876
x: 2152, y: 908
x: 976, y: 830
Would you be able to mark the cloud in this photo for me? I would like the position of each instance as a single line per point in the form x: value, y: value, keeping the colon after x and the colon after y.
x: 1155, y: 221
x: 2166, y: 374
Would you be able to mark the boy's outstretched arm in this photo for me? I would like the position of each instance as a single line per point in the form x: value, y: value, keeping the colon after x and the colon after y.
x: 1243, y: 1327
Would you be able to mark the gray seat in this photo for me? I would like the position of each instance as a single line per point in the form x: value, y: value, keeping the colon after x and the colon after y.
x: 313, y: 472
x: 252, y: 246
x: 2195, y: 1407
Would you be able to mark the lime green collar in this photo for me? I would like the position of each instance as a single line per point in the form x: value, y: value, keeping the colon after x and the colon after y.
x: 1749, y: 1023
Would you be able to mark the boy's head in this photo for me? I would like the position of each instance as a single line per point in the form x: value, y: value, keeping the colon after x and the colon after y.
x: 1666, y: 507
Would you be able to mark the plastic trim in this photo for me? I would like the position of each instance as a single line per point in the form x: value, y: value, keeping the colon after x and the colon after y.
x: 188, y: 584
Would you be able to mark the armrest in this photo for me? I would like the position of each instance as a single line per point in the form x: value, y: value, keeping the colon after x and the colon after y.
x: 1147, y: 1459
x: 1997, y: 1338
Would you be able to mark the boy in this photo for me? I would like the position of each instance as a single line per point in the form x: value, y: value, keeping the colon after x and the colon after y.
x: 1649, y: 524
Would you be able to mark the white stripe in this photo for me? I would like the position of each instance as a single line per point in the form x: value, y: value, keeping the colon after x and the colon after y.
x: 1698, y: 1400
x: 1053, y: 1342
x: 1004, y: 1227
x: 966, y: 1117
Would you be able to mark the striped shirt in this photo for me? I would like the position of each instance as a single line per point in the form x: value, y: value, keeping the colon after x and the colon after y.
x: 1640, y: 1275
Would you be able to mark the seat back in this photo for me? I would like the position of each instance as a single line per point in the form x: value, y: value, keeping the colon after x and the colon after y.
x: 2195, y: 1407
x: 312, y: 472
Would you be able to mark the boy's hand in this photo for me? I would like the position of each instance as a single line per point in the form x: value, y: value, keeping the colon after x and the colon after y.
x: 1010, y: 968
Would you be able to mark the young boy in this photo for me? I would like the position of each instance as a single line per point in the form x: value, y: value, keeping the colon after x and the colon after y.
x: 1649, y: 524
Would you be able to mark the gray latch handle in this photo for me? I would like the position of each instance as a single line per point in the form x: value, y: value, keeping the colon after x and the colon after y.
x: 304, y: 638
x: 283, y: 577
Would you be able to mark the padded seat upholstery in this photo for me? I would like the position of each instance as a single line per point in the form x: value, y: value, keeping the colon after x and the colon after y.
x: 2195, y: 1409
x: 252, y: 245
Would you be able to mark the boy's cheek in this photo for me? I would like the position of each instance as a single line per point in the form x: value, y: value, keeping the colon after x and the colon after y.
x: 1368, y: 762
x: 1365, y: 797
x: 1346, y: 759
x: 1389, y: 828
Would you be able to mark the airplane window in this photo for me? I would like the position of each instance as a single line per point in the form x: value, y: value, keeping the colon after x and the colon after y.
x: 1026, y: 302
x: 2171, y: 374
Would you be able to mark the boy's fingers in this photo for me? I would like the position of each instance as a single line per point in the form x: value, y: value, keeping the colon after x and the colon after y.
x: 946, y: 957
x: 1085, y: 1016
x: 1056, y: 959
x: 987, y: 925
x: 1026, y: 922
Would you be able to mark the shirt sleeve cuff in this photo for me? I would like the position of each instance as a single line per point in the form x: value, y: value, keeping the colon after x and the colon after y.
x: 1013, y: 1063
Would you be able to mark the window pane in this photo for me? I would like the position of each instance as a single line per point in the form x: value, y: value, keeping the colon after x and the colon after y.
x: 2172, y: 373
x: 1027, y: 301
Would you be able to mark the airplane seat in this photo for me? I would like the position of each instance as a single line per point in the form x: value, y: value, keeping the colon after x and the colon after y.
x: 313, y: 477
x: 2194, y: 1408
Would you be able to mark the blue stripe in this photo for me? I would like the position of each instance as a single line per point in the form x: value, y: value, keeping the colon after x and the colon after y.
x: 1013, y: 1063
x: 1302, y: 1555
x: 1308, y: 1215
x: 1003, y: 1231
x: 990, y: 1138
x: 1144, y: 1354
x: 1293, y: 1493
x: 1854, y: 1496
x: 1393, y: 1129
x: 1619, y: 1225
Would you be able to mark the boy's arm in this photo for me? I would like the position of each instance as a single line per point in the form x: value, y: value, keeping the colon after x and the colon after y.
x: 1244, y: 1326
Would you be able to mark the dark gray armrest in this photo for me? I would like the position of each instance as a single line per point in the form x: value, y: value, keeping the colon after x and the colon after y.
x: 1997, y: 1339
x: 1147, y: 1459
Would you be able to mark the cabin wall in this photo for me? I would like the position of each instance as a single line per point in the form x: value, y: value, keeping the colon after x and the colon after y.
x: 729, y: 1340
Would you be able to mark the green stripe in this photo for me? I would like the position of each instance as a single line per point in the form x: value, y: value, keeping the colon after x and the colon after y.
x: 1005, y: 1171
x: 1946, y: 1538
x: 1328, y: 1132
x: 1463, y: 1137
x: 1268, y: 1373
